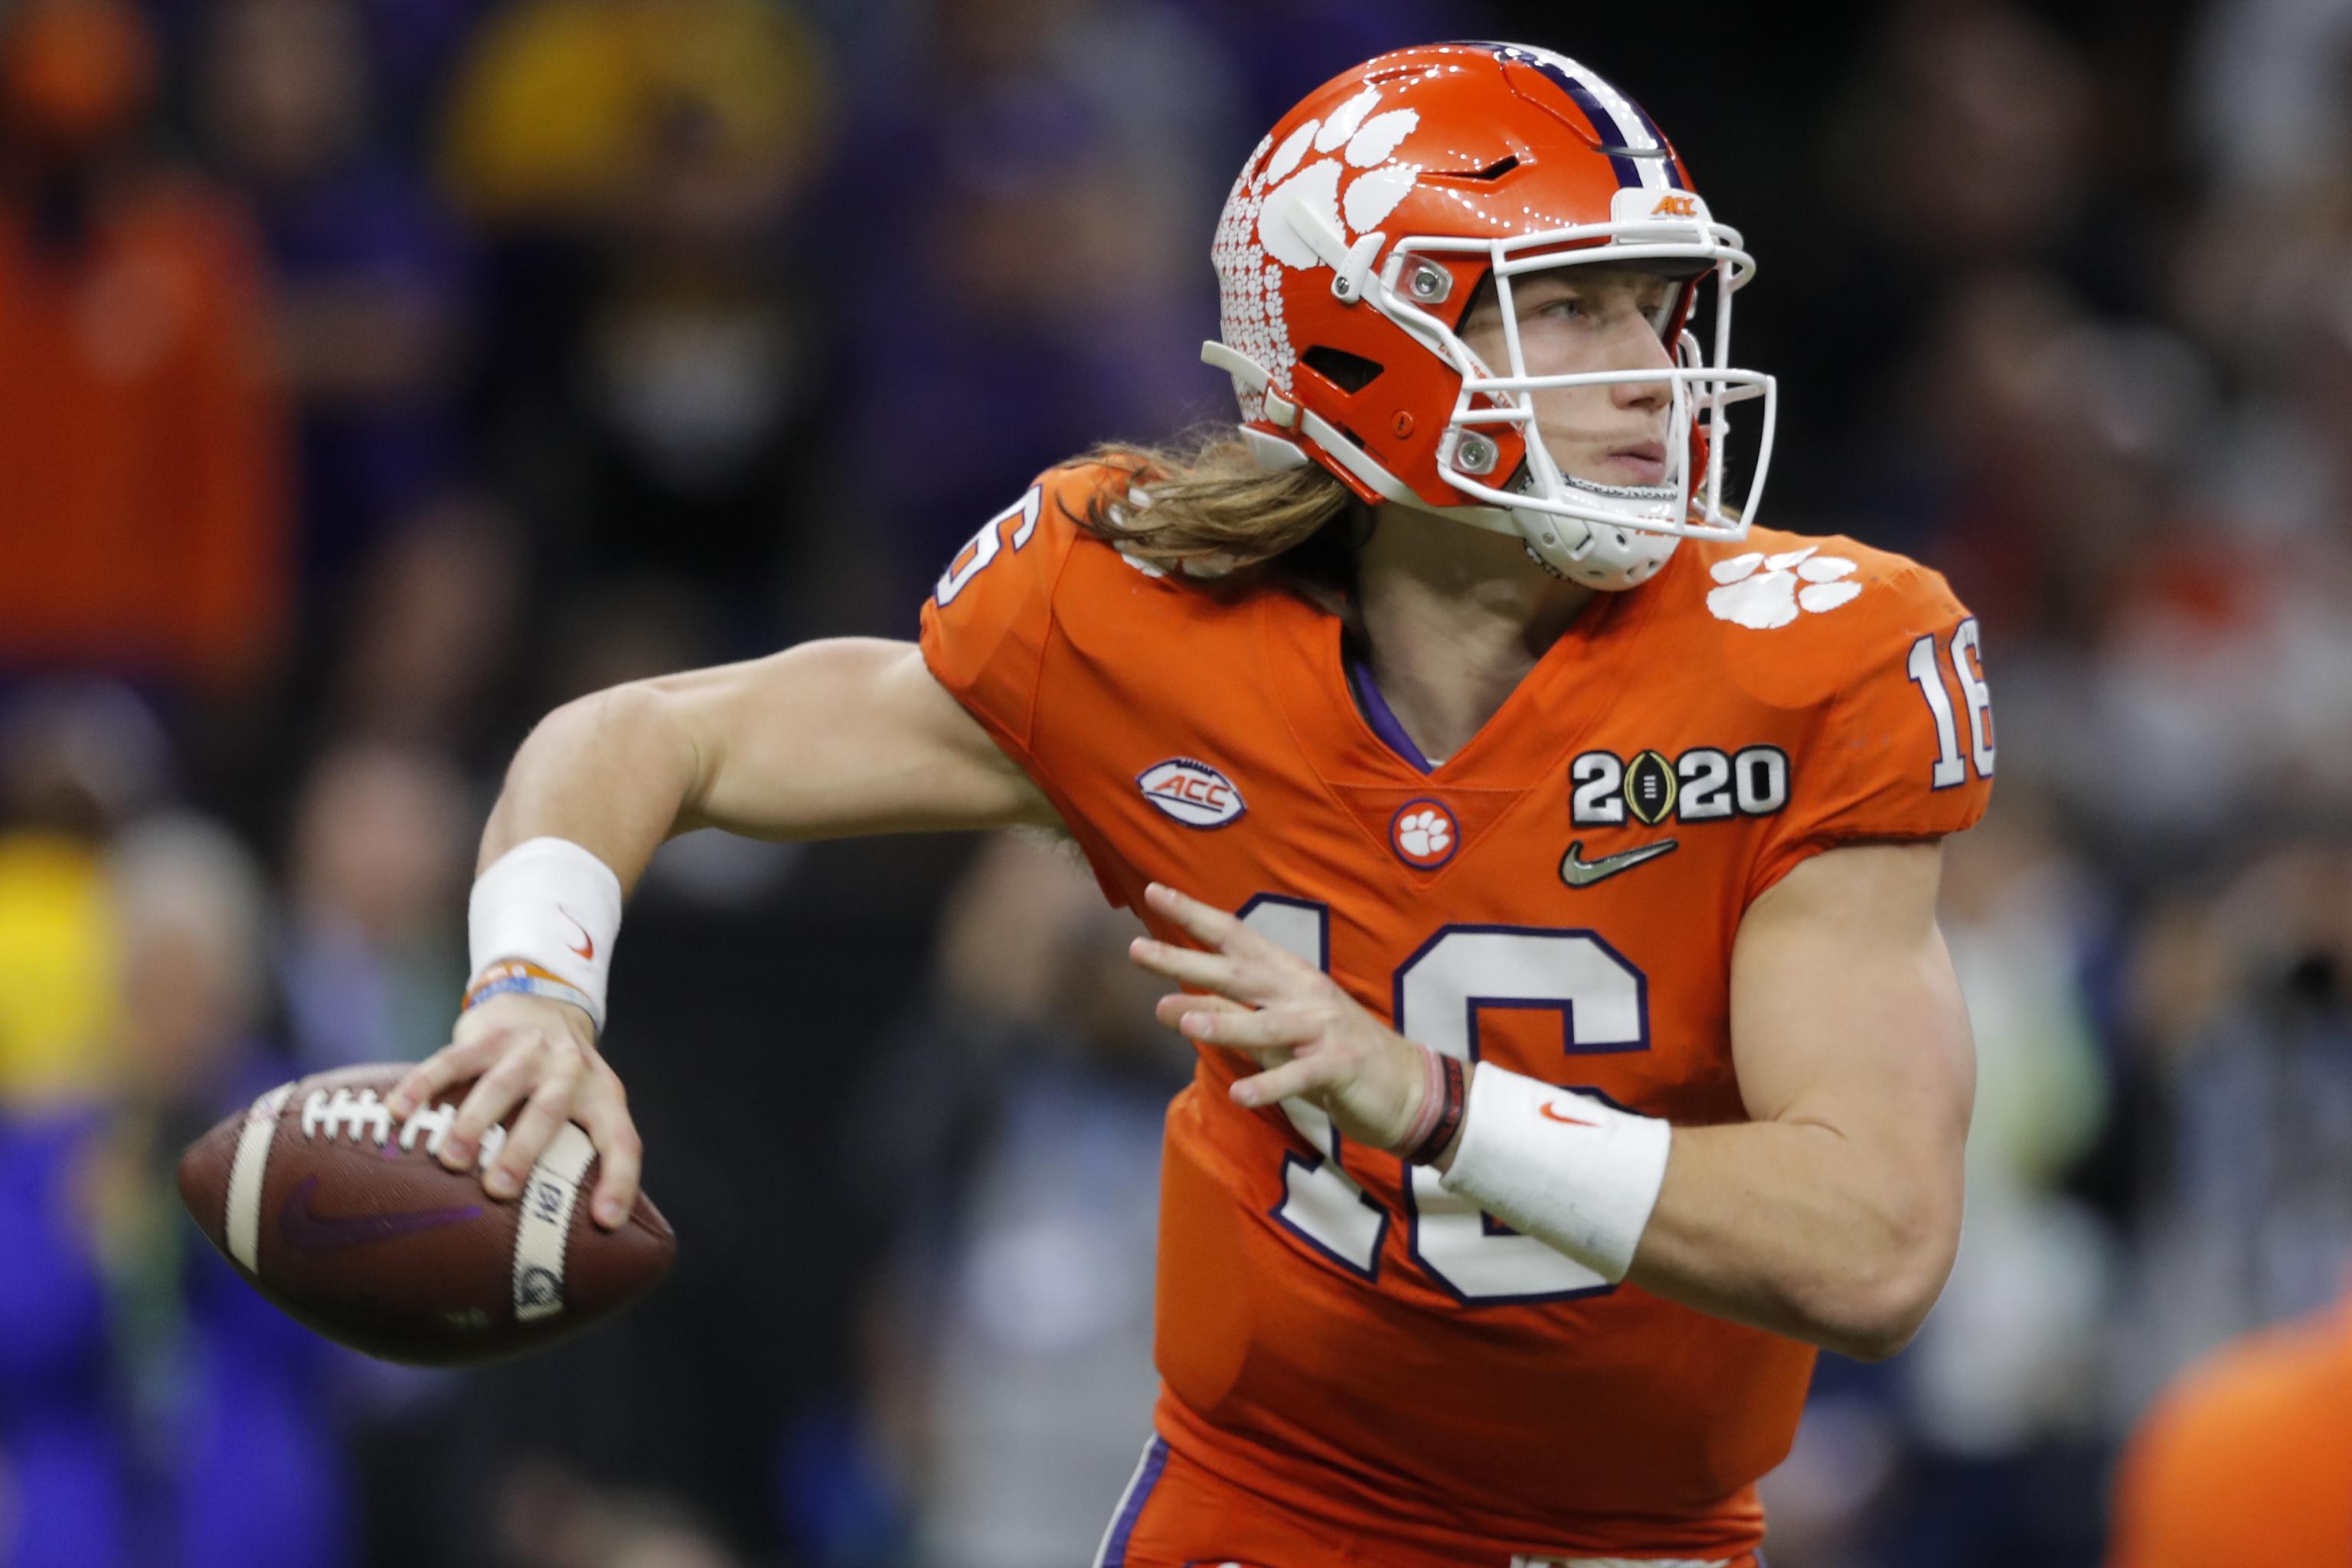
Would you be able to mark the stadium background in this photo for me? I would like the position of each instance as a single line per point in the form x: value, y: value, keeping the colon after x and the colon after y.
x: 375, y: 374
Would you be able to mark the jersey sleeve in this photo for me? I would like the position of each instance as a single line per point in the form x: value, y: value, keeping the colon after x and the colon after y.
x: 988, y: 634
x: 1903, y: 748
x: 987, y: 625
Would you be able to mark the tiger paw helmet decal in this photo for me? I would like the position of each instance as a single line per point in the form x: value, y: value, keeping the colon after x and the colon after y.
x: 1259, y: 235
x: 1361, y: 141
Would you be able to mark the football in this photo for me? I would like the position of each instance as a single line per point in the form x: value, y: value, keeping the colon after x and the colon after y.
x: 347, y: 1222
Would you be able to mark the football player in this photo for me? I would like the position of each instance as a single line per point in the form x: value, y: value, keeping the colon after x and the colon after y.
x: 1543, y: 857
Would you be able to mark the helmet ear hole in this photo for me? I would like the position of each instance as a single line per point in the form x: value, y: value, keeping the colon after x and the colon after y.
x: 1349, y: 372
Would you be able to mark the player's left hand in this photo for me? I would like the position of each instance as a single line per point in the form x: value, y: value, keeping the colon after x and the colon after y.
x: 1311, y: 1038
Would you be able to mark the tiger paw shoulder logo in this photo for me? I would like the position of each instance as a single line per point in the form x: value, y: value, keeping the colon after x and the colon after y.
x: 1423, y: 834
x: 1762, y: 591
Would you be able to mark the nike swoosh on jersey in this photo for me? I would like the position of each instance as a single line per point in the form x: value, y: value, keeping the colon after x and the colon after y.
x: 1577, y: 872
x: 305, y: 1229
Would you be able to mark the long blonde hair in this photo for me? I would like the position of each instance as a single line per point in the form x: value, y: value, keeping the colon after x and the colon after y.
x: 1202, y: 507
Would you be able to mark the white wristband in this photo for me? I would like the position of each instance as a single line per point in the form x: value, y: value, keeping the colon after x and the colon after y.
x: 551, y: 903
x: 1574, y: 1172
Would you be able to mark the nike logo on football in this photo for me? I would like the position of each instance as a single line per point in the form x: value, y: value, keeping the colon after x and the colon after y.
x: 587, y: 947
x: 1552, y: 1115
x: 1579, y: 872
x: 305, y: 1229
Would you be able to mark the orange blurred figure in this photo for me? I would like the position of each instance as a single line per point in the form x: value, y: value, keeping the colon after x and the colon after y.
x: 75, y: 72
x: 2248, y: 1458
x: 142, y: 463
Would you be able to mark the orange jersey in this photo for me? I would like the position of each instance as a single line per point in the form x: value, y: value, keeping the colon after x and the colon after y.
x: 2248, y: 1458
x: 1334, y: 1327
x: 144, y: 509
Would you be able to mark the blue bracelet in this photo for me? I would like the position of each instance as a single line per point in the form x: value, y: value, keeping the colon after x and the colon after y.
x: 528, y: 985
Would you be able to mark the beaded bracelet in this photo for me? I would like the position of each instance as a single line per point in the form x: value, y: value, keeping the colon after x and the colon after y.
x: 515, y: 976
x: 1449, y: 1100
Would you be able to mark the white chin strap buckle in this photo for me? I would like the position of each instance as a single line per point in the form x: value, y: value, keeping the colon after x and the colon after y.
x: 1640, y: 504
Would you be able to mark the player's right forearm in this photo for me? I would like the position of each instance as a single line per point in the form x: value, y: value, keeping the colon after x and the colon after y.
x: 611, y: 771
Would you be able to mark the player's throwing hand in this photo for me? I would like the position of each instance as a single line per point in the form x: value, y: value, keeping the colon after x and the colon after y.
x: 541, y: 1055
x: 1314, y: 1040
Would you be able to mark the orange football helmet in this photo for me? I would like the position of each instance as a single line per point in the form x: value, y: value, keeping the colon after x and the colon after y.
x: 1359, y: 231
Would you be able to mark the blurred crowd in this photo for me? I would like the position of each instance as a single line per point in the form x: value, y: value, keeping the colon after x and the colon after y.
x: 375, y: 374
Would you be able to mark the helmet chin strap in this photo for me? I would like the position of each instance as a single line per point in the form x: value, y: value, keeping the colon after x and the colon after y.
x: 1650, y: 502
x: 1597, y: 554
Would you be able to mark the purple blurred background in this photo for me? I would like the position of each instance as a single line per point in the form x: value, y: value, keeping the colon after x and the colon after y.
x: 375, y: 374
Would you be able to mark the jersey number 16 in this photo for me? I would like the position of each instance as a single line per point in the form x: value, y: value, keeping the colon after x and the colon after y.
x: 1603, y: 1004
x: 1967, y: 654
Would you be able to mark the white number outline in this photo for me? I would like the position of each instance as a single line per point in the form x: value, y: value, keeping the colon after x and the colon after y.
x: 1421, y: 1184
x: 1322, y: 1182
x: 1951, y: 767
x: 1967, y: 640
x: 985, y: 544
x: 1318, y: 1180
x: 1949, y: 771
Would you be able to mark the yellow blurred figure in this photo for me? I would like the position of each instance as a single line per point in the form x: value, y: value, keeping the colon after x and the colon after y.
x: 567, y: 108
x: 57, y: 965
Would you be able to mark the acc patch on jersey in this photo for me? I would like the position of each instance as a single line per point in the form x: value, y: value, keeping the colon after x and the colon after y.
x: 1193, y: 793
